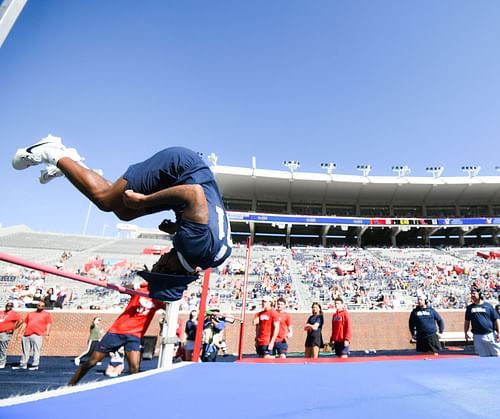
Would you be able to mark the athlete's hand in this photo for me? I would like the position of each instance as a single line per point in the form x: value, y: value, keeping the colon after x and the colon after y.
x: 133, y: 199
x: 167, y: 226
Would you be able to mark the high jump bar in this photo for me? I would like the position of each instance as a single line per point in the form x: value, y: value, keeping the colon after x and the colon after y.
x: 50, y: 270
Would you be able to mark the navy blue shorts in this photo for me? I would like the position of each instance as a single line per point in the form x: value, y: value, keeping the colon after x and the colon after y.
x: 263, y: 350
x: 280, y: 348
x: 340, y: 348
x: 111, y: 342
x: 203, y: 245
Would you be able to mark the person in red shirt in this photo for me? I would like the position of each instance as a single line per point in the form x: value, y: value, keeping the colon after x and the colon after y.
x: 127, y: 330
x: 285, y: 332
x: 36, y: 326
x: 267, y: 326
x: 341, y: 329
x: 10, y: 320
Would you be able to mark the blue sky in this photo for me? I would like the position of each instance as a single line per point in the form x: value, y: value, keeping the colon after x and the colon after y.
x: 368, y: 81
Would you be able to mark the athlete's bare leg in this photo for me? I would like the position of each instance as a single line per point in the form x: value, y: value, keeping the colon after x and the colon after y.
x: 134, y: 361
x: 107, y: 196
x: 85, y: 367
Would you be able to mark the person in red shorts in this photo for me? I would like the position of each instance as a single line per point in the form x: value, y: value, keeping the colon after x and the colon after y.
x: 341, y: 329
x: 36, y: 326
x: 267, y: 326
x: 285, y: 332
x: 10, y: 320
x: 127, y: 330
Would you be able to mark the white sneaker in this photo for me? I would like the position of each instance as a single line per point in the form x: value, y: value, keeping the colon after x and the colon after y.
x: 20, y: 367
x: 52, y: 171
x: 49, y: 173
x: 37, y: 153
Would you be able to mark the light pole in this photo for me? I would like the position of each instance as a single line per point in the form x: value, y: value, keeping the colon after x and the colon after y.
x: 364, y: 168
x: 89, y: 209
x: 329, y: 167
x: 471, y: 170
x: 436, y: 171
x: 104, y: 227
x: 292, y: 165
x: 402, y: 171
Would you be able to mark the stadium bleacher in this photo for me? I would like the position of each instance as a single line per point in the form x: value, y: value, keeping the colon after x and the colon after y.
x: 367, y: 278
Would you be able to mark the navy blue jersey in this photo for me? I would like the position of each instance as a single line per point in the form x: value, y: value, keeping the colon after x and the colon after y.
x: 203, y: 245
x: 190, y: 330
x: 315, y: 337
x: 482, y: 318
x: 424, y: 322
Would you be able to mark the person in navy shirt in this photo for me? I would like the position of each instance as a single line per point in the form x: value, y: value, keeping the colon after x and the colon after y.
x: 423, y: 323
x: 485, y: 323
x: 175, y: 178
x: 313, y: 328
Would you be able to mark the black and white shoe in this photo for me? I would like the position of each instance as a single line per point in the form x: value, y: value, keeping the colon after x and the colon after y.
x: 36, y: 153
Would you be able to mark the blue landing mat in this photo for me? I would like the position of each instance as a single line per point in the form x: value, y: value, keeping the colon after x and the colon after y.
x: 435, y: 388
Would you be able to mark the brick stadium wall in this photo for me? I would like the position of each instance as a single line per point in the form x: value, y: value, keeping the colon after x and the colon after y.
x: 372, y: 330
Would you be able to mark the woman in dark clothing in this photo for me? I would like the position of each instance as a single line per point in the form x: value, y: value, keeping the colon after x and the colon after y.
x: 314, y: 339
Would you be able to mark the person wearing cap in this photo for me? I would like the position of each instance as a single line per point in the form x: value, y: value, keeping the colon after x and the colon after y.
x: 10, y: 320
x: 267, y: 326
x: 423, y: 324
x: 212, y: 337
x: 485, y: 323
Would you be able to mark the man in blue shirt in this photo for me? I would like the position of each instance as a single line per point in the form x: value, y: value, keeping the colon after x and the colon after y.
x: 485, y: 323
x: 423, y: 324
x: 175, y: 178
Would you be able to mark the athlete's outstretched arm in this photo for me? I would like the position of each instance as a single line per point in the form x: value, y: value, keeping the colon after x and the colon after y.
x: 192, y: 196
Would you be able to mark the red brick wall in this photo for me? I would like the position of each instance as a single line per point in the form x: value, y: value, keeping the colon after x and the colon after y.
x: 372, y: 330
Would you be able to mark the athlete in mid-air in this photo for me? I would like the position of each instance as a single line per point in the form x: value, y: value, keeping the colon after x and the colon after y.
x: 175, y: 178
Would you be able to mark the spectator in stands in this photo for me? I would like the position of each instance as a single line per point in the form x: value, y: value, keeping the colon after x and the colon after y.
x: 175, y: 178
x: 267, y: 326
x: 61, y: 297
x: 95, y: 336
x: 313, y: 327
x: 10, y: 320
x: 38, y: 296
x: 285, y: 330
x: 485, y: 325
x: 341, y: 329
x: 35, y: 328
x: 50, y: 298
x: 190, y: 334
x: 423, y: 323
x: 128, y: 330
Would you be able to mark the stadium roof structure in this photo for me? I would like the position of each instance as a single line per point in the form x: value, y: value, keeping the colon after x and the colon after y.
x: 291, y: 206
x: 275, y: 185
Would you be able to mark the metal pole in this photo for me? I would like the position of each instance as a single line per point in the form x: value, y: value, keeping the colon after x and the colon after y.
x: 168, y: 337
x: 86, y: 223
